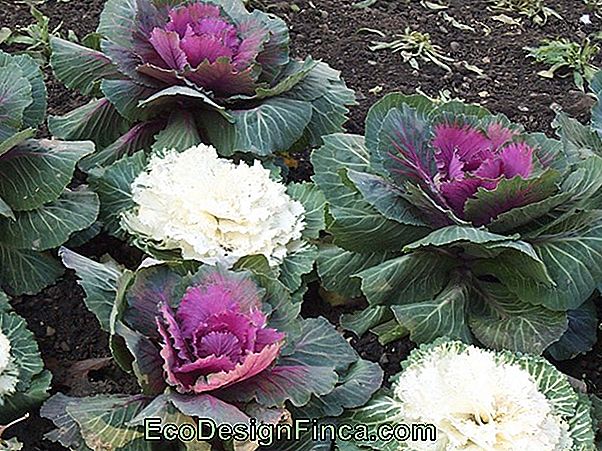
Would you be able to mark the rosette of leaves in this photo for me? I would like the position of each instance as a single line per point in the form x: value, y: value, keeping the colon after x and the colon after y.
x: 37, y: 210
x: 455, y: 222
x: 23, y: 381
x: 193, y: 190
x: 189, y: 71
x: 212, y: 343
x: 535, y: 408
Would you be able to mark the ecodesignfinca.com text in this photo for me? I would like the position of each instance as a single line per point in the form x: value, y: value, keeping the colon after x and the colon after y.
x: 266, y: 434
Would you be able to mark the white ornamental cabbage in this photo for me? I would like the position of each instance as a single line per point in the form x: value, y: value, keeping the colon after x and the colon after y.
x: 9, y: 374
x: 478, y: 402
x: 213, y: 210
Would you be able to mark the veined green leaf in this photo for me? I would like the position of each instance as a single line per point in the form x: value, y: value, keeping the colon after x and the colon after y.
x: 35, y: 113
x: 356, y: 225
x: 15, y: 97
x: 443, y: 316
x: 97, y: 121
x: 273, y: 126
x: 500, y: 320
x: 99, y: 281
x: 52, y: 224
x: 27, y: 272
x: 336, y: 267
x: 44, y: 163
x: 571, y: 249
x: 181, y: 133
x: 79, y: 67
x: 113, y: 186
x: 415, y: 277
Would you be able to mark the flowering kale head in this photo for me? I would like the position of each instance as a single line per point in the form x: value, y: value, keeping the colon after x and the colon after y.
x: 457, y: 158
x: 203, y: 44
x: 177, y: 73
x: 228, y: 345
x: 217, y: 336
x: 468, y: 159
x: 468, y: 226
x: 481, y: 399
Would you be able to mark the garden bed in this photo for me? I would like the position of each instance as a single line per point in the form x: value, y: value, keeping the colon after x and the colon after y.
x: 330, y: 30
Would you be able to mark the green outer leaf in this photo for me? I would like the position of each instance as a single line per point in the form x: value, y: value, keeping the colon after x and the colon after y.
x: 571, y: 250
x: 382, y: 409
x: 16, y: 139
x: 27, y: 272
x: 147, y: 363
x: 101, y: 422
x: 363, y: 320
x: 29, y: 400
x: 443, y: 316
x: 273, y: 126
x: 168, y: 95
x: 525, y: 215
x: 502, y: 321
x: 336, y: 267
x: 330, y: 99
x: 24, y: 350
x: 46, y: 163
x: 294, y: 73
x: 118, y: 20
x: 98, y: 121
x: 35, y: 113
x: 99, y: 281
x: 52, y: 224
x: 581, y: 336
x: 113, y: 186
x: 15, y: 97
x: 356, y: 226
x: 581, y: 427
x: 457, y: 234
x: 411, y: 278
x: 380, y: 110
x: 79, y: 67
x: 354, y: 390
x: 584, y: 183
x: 386, y: 198
x: 314, y: 203
x: 125, y: 96
x: 296, y: 265
x: 180, y: 134
x: 139, y: 137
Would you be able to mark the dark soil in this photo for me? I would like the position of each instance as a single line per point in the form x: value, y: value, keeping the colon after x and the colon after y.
x: 329, y: 30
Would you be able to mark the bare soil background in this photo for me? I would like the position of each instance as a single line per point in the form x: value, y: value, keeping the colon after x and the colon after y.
x: 329, y: 30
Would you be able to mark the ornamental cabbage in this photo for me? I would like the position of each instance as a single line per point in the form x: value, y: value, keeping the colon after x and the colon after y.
x: 182, y: 72
x: 479, y: 399
x: 37, y: 210
x: 455, y: 222
x: 228, y: 345
x: 23, y: 381
x: 212, y: 210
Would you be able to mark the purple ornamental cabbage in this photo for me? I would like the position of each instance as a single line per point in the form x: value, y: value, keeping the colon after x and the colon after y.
x: 220, y: 344
x: 468, y: 159
x: 176, y: 73
x: 217, y: 337
x: 454, y: 222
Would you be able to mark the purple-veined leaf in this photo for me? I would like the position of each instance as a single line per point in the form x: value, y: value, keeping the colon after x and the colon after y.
x: 79, y: 67
x: 97, y: 121
x: 46, y: 163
